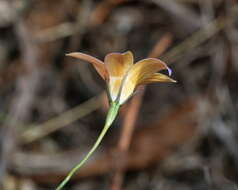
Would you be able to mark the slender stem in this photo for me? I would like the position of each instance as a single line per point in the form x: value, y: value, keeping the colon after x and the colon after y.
x: 112, y: 113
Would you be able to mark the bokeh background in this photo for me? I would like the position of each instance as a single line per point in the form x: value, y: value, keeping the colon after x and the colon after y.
x: 179, y: 136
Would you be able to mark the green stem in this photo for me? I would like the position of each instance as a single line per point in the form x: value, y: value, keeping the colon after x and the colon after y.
x: 112, y: 113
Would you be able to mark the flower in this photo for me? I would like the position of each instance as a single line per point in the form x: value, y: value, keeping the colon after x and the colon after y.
x: 123, y: 76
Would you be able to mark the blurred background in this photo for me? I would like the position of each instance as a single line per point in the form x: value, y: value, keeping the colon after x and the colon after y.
x: 179, y: 136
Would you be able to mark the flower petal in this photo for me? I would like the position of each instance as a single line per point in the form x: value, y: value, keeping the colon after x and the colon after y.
x: 98, y: 64
x: 117, y: 65
x: 138, y: 73
x: 156, y: 77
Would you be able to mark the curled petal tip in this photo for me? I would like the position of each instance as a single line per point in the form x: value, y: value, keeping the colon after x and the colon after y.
x: 98, y: 64
x: 169, y: 71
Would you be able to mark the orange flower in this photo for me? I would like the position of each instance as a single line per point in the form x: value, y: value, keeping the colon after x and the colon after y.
x: 123, y: 76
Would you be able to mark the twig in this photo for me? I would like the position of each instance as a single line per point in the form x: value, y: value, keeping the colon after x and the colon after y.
x: 54, y: 124
x: 194, y: 40
x: 67, y: 29
x: 102, y: 10
x: 186, y: 19
x: 57, y: 32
